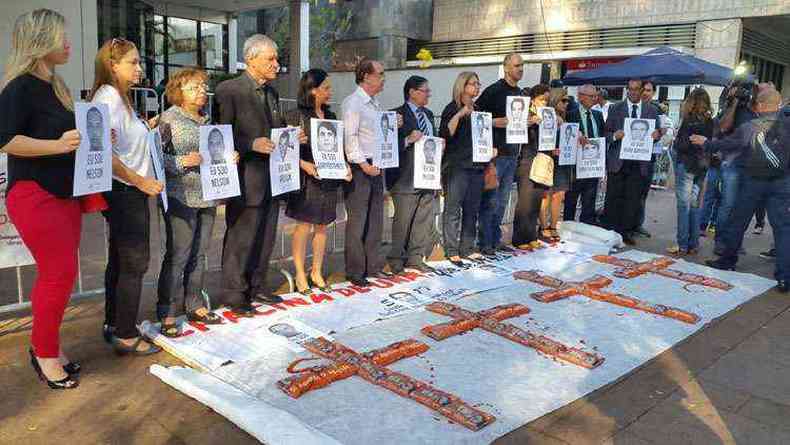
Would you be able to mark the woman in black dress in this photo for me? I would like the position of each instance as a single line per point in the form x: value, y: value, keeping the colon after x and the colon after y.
x: 314, y: 207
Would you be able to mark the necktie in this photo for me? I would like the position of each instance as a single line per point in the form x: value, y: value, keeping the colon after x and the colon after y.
x: 422, y: 122
x: 590, y: 128
x: 633, y: 112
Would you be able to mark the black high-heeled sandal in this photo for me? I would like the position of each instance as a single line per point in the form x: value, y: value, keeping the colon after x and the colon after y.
x: 66, y: 383
x: 210, y: 318
x: 72, y: 368
x: 456, y: 263
x: 312, y: 283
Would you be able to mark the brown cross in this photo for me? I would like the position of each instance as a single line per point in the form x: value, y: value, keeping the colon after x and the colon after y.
x: 659, y: 266
x: 591, y: 288
x: 371, y: 367
x: 490, y: 320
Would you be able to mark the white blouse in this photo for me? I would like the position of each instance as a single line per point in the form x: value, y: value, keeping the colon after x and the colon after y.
x: 132, y: 147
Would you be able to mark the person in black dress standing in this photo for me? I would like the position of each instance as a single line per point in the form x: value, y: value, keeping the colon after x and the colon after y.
x: 315, y: 206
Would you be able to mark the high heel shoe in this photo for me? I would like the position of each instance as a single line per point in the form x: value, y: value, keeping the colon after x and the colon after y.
x: 72, y: 368
x: 66, y: 383
x: 312, y: 283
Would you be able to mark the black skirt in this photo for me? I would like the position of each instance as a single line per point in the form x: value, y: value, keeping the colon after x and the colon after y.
x: 315, y: 203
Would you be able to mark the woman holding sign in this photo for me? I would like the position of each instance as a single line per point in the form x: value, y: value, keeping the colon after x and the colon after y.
x: 117, y: 70
x: 551, y: 206
x: 37, y: 131
x: 314, y: 207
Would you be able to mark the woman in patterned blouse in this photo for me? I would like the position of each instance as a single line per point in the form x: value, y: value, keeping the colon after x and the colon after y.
x: 189, y: 220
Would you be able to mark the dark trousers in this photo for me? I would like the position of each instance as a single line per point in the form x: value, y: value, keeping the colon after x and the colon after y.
x: 464, y: 190
x: 188, y: 237
x: 586, y: 189
x: 648, y: 181
x: 364, y: 198
x: 494, y: 203
x: 624, y: 191
x: 411, y: 228
x: 129, y: 220
x: 774, y: 194
x: 759, y: 216
x: 249, y: 241
x: 530, y: 194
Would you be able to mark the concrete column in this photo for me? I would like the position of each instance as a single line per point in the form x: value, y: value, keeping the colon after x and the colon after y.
x: 719, y: 41
x: 300, y: 43
x: 233, y: 45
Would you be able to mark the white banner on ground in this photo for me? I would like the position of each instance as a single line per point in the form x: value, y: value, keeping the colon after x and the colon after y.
x: 638, y: 140
x: 569, y: 143
x: 386, y: 153
x: 547, y: 133
x: 284, y: 161
x: 155, y: 146
x: 326, y: 141
x: 219, y: 175
x: 93, y: 158
x: 428, y: 153
x: 591, y: 159
x: 517, y: 120
x: 13, y: 252
x: 482, y: 138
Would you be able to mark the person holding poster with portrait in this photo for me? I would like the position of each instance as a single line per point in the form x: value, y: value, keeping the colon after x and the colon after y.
x: 284, y: 162
x: 93, y: 163
x: 551, y: 205
x: 315, y: 206
x: 627, y: 172
x: 412, y: 227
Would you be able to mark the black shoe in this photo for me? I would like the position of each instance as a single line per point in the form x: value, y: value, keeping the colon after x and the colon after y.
x: 268, y: 299
x: 72, y: 368
x: 717, y: 264
x: 505, y: 248
x: 383, y: 274
x: 642, y: 232
x: 628, y: 241
x: 209, y: 318
x: 122, y: 349
x: 422, y: 268
x: 107, y: 332
x: 69, y: 382
x: 770, y: 255
x: 243, y: 310
x: 361, y: 282
x: 488, y: 251
x: 312, y: 283
x: 783, y: 286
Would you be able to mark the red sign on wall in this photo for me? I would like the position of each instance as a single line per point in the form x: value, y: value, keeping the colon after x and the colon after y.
x: 588, y: 64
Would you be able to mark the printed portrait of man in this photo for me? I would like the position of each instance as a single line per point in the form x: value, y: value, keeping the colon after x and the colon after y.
x: 94, y: 123
x: 639, y: 129
x: 429, y: 151
x: 284, y: 144
x: 284, y: 330
x: 386, y: 126
x: 327, y: 137
x: 568, y: 136
x: 482, y: 129
x: 547, y: 119
x: 517, y: 111
x: 591, y: 151
x: 216, y: 146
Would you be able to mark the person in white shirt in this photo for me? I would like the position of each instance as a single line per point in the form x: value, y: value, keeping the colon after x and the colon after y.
x: 364, y: 196
x: 603, y: 103
x: 117, y: 70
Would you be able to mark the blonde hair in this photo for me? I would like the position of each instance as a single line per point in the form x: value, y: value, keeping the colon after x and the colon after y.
x: 555, y: 96
x: 460, y: 84
x: 697, y: 105
x: 35, y: 35
x: 111, y: 52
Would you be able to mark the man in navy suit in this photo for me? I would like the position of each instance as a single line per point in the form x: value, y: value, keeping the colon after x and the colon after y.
x: 412, y: 238
x: 591, y: 125
x: 626, y: 178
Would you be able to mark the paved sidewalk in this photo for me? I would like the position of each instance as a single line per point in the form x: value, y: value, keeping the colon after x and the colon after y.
x: 729, y: 383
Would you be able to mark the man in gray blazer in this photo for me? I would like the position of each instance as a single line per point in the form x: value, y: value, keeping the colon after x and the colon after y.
x: 250, y: 105
x: 626, y: 178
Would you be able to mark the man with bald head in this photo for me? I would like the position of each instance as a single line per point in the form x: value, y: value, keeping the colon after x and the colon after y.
x: 763, y: 149
x: 591, y: 125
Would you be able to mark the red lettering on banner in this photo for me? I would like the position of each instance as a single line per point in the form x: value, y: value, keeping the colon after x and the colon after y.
x: 279, y: 307
x: 199, y: 326
x: 359, y: 290
x: 230, y: 316
x: 294, y: 302
x: 344, y: 292
x: 318, y: 298
x: 396, y: 279
x: 381, y: 284
x: 412, y: 276
x: 269, y: 312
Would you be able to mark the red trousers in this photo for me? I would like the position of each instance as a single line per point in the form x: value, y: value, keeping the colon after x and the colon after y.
x: 50, y: 228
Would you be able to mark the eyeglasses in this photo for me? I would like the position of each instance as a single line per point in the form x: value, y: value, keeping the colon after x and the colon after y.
x: 193, y: 87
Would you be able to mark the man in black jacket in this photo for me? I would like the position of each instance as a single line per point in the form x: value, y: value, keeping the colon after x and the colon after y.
x: 591, y: 125
x: 412, y: 227
x: 250, y: 105
x: 763, y: 148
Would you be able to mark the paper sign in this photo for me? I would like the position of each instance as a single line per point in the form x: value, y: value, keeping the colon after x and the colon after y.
x: 93, y: 159
x: 155, y: 147
x: 284, y: 160
x: 517, y: 120
x: 482, y: 139
x: 326, y: 142
x: 569, y: 142
x: 428, y: 163
x: 591, y: 159
x: 638, y: 140
x: 219, y: 175
x: 547, y: 134
x: 386, y: 153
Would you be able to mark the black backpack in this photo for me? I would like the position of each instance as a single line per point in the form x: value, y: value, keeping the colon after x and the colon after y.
x: 769, y: 155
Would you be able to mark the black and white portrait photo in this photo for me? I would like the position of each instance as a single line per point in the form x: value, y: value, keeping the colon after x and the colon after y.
x: 637, y: 143
x: 216, y: 146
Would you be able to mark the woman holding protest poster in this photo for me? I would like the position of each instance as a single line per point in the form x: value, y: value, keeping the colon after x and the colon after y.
x: 551, y: 205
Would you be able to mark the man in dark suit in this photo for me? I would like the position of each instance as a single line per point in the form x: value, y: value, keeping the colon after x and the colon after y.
x: 414, y: 209
x: 591, y: 125
x: 626, y: 178
x: 250, y: 105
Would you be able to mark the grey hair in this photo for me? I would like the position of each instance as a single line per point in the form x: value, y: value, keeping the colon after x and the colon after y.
x: 588, y: 88
x: 255, y: 44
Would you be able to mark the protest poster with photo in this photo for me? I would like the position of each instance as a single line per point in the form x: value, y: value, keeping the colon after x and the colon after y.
x: 638, y: 140
x: 219, y: 175
x: 326, y: 142
x: 591, y: 159
x: 547, y: 133
x: 155, y: 147
x: 13, y: 251
x: 428, y: 163
x: 517, y: 120
x: 386, y: 152
x: 569, y: 142
x: 482, y: 139
x: 284, y: 160
x: 93, y: 159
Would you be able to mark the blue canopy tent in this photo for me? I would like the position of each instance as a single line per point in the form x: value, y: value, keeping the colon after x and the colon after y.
x: 664, y: 66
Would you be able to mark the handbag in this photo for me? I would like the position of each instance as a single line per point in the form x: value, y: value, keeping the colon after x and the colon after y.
x: 542, y: 170
x: 490, y: 180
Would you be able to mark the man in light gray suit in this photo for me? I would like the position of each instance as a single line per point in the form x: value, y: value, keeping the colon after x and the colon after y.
x: 626, y: 178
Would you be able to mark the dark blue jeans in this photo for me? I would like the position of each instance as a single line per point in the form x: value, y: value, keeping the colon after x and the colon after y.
x: 774, y: 194
x: 687, y: 190
x: 710, y: 205
x: 461, y: 208
x: 494, y: 202
x: 730, y: 176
